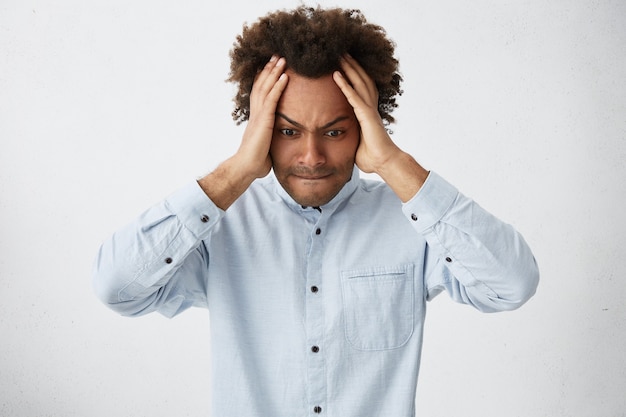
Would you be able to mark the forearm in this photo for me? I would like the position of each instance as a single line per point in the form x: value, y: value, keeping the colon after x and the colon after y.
x: 403, y: 175
x: 136, y: 266
x: 226, y: 184
x: 477, y: 258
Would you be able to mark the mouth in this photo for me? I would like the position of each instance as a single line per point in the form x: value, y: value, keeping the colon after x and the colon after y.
x: 307, y: 177
x: 310, y: 174
x: 312, y: 177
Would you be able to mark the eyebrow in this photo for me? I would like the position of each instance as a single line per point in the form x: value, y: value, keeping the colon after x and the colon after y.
x: 300, y: 126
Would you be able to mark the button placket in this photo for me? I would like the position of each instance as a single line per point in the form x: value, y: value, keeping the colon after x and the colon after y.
x: 315, y: 316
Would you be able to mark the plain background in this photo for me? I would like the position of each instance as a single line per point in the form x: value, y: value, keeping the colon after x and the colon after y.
x: 107, y: 107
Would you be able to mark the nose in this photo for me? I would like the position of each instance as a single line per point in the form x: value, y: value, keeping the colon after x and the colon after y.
x: 311, y: 152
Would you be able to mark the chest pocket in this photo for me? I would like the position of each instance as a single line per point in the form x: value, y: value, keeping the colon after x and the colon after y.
x: 378, y: 306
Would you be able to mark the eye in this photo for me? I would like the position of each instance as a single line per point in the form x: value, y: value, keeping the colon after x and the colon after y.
x: 288, y: 132
x: 334, y: 133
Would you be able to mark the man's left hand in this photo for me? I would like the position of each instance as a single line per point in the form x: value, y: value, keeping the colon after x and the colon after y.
x: 377, y: 153
x: 376, y: 147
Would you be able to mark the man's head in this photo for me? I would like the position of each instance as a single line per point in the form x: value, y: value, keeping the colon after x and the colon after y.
x: 313, y: 40
x: 316, y: 133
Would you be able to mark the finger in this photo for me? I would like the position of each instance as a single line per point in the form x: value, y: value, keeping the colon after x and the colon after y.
x: 363, y: 74
x: 359, y: 78
x: 269, y: 75
x: 366, y: 114
x: 263, y: 72
x: 276, y: 91
x: 355, y: 100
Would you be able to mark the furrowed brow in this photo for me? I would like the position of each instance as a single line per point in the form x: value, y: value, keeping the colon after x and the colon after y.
x: 300, y: 126
x: 337, y: 120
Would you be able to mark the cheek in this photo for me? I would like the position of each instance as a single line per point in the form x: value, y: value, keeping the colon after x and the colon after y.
x: 275, y: 146
x: 279, y: 152
x: 348, y: 148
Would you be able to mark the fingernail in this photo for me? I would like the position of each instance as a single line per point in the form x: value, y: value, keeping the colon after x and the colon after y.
x: 273, y: 58
x: 280, y: 62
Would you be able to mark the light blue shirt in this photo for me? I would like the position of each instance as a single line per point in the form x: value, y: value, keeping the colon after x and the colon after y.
x: 315, y: 312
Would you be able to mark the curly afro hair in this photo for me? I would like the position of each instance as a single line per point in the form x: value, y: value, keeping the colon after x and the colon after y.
x: 313, y: 40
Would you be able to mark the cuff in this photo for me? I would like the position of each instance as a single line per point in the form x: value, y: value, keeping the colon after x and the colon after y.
x: 194, y: 209
x: 430, y: 203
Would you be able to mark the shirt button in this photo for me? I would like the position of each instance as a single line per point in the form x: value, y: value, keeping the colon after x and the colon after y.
x: 318, y: 231
x: 317, y: 409
x: 314, y: 289
x: 414, y: 217
x: 448, y: 259
x: 315, y: 349
x: 168, y: 260
x: 204, y: 218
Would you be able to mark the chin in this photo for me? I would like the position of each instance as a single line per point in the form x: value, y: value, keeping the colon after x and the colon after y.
x: 315, y: 193
x: 313, y: 198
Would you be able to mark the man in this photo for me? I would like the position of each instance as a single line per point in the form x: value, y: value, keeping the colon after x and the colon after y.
x: 316, y: 280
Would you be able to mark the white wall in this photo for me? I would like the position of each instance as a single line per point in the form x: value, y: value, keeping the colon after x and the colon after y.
x: 107, y: 106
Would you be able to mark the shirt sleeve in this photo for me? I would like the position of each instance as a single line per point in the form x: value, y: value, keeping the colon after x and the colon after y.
x: 478, y: 259
x: 159, y: 262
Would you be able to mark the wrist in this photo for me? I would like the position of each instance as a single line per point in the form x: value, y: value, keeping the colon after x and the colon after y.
x: 403, y: 174
x: 224, y: 185
x: 389, y: 161
x: 244, y: 170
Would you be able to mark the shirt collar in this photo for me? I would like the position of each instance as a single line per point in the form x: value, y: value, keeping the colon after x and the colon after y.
x: 343, y: 194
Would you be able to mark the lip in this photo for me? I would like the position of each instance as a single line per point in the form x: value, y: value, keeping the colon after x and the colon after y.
x: 307, y: 178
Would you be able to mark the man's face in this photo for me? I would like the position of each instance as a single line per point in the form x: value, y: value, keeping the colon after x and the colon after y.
x: 315, y: 138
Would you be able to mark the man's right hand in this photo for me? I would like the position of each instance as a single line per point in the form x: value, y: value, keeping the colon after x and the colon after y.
x: 268, y: 86
x: 252, y: 160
